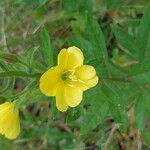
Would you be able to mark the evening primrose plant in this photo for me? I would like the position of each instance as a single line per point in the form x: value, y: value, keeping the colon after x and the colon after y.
x: 79, y: 78
x: 67, y: 81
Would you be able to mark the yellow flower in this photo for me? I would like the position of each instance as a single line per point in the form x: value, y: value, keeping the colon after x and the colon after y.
x: 9, y: 120
x: 68, y: 79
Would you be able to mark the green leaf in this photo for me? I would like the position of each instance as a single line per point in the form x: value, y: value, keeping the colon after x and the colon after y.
x: 116, y: 107
x: 146, y: 137
x: 119, y: 5
x: 36, y: 3
x: 112, y: 4
x: 98, y: 114
x: 46, y: 48
x: 143, y: 34
x: 74, y: 6
x: 119, y: 116
x: 138, y: 73
x: 84, y: 45
x: 18, y: 74
x: 141, y: 111
x: 42, y: 2
x: 33, y: 63
x: 26, y: 94
x: 110, y: 89
x: 73, y: 115
x: 30, y: 56
x: 94, y: 34
x: 8, y: 86
x: 139, y: 68
x: 97, y: 109
x: 143, y: 78
x: 126, y: 41
x: 12, y: 58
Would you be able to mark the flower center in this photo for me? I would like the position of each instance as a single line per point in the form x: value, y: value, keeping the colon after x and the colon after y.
x: 68, y: 75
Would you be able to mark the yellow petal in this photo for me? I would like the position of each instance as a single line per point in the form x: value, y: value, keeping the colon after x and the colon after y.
x: 70, y: 58
x: 85, y: 72
x: 63, y: 58
x: 12, y: 126
x: 60, y: 99
x: 92, y: 82
x: 73, y: 95
x: 4, y: 108
x: 49, y: 81
x: 9, y: 120
x: 87, y: 75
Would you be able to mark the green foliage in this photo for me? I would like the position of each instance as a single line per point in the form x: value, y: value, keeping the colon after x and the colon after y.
x: 142, y: 36
x: 136, y: 45
x: 98, y: 118
x: 113, y: 4
x: 99, y: 47
x: 127, y: 41
x: 114, y: 36
x: 142, y: 110
x: 116, y: 107
x: 46, y: 48
x: 76, y: 6
x: 145, y: 137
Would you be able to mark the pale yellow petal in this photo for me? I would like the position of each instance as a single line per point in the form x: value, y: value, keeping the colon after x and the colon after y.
x: 4, y: 108
x: 73, y: 95
x: 85, y: 72
x: 9, y: 121
x: 3, y: 116
x: 70, y: 58
x: 4, y: 105
x: 60, y: 99
x: 92, y: 82
x: 78, y: 84
x: 11, y: 127
x: 15, y: 128
x: 87, y: 76
x: 63, y: 58
x: 49, y: 81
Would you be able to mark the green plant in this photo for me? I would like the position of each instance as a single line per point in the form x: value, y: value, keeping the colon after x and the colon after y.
x: 114, y: 37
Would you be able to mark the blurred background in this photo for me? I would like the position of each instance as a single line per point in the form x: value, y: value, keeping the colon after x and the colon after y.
x: 42, y: 126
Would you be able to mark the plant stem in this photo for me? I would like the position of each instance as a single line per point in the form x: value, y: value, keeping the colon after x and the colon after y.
x: 113, y: 130
x: 3, y: 42
x: 19, y: 74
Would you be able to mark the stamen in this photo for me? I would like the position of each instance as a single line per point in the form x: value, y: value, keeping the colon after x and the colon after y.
x: 68, y: 75
x: 65, y: 75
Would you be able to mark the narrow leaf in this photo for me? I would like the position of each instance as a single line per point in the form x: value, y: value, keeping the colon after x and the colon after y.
x: 96, y: 37
x: 126, y: 41
x: 97, y: 117
x: 143, y: 34
x: 46, y: 47
x: 18, y: 74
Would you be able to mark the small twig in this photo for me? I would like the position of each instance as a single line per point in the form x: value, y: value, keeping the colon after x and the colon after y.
x: 3, y: 41
x: 25, y: 34
x: 63, y: 126
x: 139, y: 143
x: 130, y: 118
x: 113, y: 130
x: 52, y: 16
x: 123, y: 49
x: 121, y: 138
x: 129, y: 63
